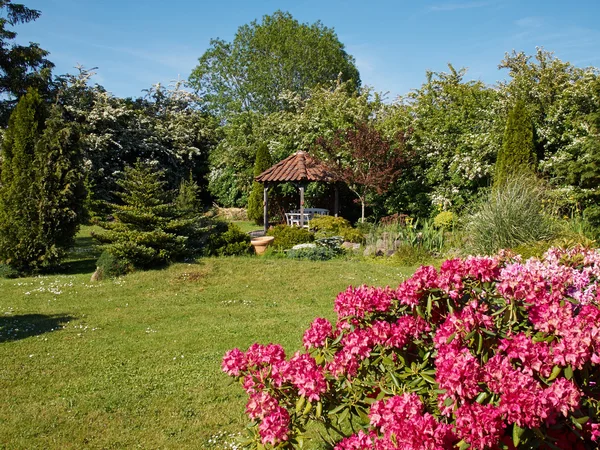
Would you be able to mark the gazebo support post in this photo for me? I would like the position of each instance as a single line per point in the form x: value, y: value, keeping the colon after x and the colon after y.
x: 301, y: 206
x: 266, y: 206
x: 336, y: 204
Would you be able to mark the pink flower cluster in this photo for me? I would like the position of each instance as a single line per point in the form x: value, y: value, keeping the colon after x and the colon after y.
x: 316, y: 335
x: 265, y: 372
x: 363, y: 300
x: 498, y: 343
x: 357, y: 345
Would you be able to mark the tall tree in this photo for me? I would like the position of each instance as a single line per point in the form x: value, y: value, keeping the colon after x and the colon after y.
x: 302, y: 120
x: 362, y: 158
x: 455, y: 140
x: 60, y: 182
x: 21, y: 67
x: 256, y: 200
x: 17, y: 192
x: 41, y: 189
x: 517, y: 154
x: 266, y: 59
x: 166, y: 126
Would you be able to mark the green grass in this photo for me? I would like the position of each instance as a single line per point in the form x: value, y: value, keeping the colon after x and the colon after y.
x: 135, y: 362
x: 246, y: 225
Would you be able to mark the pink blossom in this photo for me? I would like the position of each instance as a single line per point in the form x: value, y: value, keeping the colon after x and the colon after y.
x: 260, y: 404
x: 357, y: 302
x: 318, y: 332
x: 411, y: 291
x: 275, y: 427
x: 479, y: 425
x: 359, y: 441
x: 234, y: 362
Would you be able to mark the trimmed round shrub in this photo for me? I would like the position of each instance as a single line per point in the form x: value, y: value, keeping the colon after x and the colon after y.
x: 327, y: 226
x: 486, y: 353
x: 286, y: 237
x: 444, y: 219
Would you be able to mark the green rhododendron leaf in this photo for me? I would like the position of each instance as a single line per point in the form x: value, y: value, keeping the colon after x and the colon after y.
x: 517, y: 433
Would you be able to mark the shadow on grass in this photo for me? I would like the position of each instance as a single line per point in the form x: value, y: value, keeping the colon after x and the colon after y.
x: 81, y: 258
x: 14, y: 328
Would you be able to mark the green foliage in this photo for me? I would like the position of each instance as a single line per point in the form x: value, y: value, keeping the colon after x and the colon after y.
x: 148, y: 230
x: 558, y: 95
x: 229, y: 240
x: 427, y: 241
x: 316, y: 253
x: 454, y: 135
x: 302, y: 120
x: 21, y: 67
x: 266, y: 59
x: 187, y: 200
x: 166, y: 126
x: 286, y: 237
x: 444, y: 219
x: 517, y: 155
x: 112, y: 266
x: 41, y: 193
x: 7, y: 271
x: 256, y: 200
x: 579, y: 167
x: 412, y: 255
x: 327, y: 226
x: 512, y: 215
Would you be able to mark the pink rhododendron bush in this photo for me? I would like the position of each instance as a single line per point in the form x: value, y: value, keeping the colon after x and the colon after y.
x: 484, y: 353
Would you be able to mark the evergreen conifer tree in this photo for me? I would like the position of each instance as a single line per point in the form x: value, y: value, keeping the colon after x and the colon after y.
x: 517, y: 154
x: 188, y: 201
x: 255, y: 201
x: 148, y: 230
x: 41, y: 190
x: 60, y: 184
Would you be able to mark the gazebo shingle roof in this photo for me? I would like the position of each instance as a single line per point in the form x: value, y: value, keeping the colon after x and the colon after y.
x: 298, y: 167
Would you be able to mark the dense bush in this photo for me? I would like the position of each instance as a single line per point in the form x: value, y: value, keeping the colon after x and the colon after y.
x: 327, y: 226
x: 512, y: 215
x: 228, y: 240
x: 312, y: 253
x: 444, y: 219
x: 486, y: 353
x: 7, y: 271
x: 286, y: 237
x: 411, y: 255
x: 110, y: 266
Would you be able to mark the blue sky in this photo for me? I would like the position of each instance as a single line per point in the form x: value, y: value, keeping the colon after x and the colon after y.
x: 136, y: 43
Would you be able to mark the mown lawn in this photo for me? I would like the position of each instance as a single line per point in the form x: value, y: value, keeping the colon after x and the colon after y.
x: 135, y: 362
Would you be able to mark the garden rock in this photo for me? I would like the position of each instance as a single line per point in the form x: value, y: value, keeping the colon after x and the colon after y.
x: 350, y: 245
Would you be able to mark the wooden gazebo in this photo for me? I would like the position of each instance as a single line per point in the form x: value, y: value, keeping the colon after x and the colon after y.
x: 300, y: 169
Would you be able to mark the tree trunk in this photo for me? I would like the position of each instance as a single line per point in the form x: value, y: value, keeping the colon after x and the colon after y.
x: 362, y: 205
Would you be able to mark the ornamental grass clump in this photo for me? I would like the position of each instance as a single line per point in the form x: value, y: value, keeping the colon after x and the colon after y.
x: 486, y: 353
x: 513, y: 214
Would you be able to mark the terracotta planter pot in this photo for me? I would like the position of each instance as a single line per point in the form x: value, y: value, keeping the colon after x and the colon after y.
x: 260, y: 244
